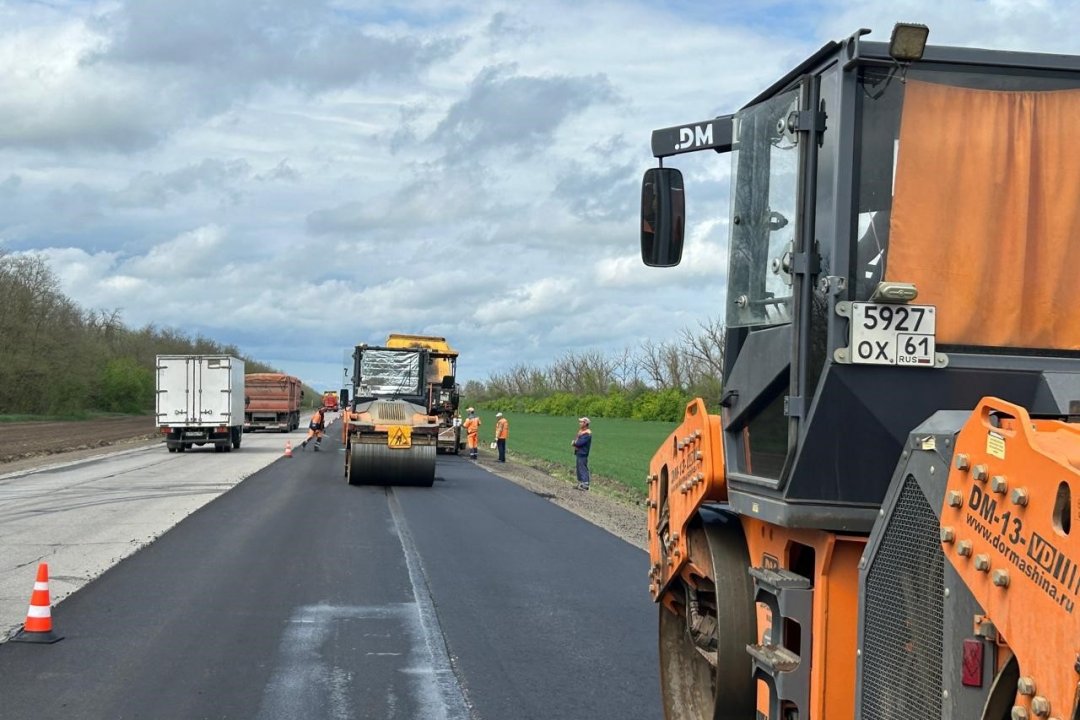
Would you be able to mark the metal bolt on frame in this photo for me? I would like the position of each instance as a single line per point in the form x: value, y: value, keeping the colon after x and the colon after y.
x: 1040, y: 706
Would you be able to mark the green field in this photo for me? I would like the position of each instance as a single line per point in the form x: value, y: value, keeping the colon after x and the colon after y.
x: 621, y: 448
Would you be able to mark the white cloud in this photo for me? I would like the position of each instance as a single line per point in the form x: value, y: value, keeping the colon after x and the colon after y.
x: 544, y: 296
x: 192, y: 253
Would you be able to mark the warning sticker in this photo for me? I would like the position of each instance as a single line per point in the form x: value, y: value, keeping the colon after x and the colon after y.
x: 399, y: 436
x: 995, y: 445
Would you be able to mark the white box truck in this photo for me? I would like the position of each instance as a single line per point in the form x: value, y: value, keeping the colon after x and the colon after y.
x: 200, y: 400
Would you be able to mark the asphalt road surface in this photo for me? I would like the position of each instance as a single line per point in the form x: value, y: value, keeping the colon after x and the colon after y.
x: 294, y: 595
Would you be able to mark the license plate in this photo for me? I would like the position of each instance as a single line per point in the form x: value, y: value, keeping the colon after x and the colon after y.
x: 399, y: 436
x: 883, y: 334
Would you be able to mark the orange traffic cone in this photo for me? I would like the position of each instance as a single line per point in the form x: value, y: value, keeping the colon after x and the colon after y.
x: 38, y: 626
x: 288, y: 449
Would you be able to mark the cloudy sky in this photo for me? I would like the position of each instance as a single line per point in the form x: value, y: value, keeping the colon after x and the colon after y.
x: 298, y: 176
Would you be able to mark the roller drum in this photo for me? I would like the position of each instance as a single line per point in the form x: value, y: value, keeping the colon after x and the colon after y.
x: 377, y: 464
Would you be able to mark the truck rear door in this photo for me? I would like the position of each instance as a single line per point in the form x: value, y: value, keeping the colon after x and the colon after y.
x: 213, y: 398
x: 175, y: 404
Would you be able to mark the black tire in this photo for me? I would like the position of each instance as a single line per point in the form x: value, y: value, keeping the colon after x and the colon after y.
x: 690, y: 687
x: 237, y: 437
x: 172, y: 449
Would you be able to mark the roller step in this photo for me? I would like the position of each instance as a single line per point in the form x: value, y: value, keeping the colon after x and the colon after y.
x: 789, y: 596
x: 774, y: 658
x: 777, y: 579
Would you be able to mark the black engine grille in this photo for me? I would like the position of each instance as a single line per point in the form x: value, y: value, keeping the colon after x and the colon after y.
x: 902, y: 645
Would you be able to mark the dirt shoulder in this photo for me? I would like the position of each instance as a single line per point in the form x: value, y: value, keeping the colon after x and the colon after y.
x: 606, y: 504
x: 29, y: 441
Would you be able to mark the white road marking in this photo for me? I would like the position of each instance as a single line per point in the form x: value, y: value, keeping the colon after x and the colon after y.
x: 304, y: 682
x: 451, y: 703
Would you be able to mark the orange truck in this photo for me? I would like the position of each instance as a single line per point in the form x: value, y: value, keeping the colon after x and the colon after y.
x: 874, y: 521
x: 330, y: 400
x: 272, y: 402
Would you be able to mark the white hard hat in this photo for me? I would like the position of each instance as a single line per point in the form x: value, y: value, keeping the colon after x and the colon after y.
x: 498, y: 414
x: 583, y: 420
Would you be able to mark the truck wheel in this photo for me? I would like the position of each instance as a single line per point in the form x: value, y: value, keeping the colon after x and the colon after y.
x: 236, y: 439
x: 181, y: 447
x: 172, y: 449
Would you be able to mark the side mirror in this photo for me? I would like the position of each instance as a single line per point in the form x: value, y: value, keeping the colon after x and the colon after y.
x: 344, y: 395
x: 663, y: 217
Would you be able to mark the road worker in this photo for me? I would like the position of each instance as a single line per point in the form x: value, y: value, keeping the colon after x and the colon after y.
x: 502, y: 431
x: 315, y: 429
x: 472, y: 427
x: 582, y: 444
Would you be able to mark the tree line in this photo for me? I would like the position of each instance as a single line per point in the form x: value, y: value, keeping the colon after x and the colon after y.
x: 57, y: 358
x: 650, y: 382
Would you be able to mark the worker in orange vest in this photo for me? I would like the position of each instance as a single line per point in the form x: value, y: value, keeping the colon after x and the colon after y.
x: 502, y: 431
x: 472, y: 427
x: 315, y: 429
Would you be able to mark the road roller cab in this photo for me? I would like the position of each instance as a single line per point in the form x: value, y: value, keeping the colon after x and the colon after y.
x: 389, y: 431
x: 902, y: 244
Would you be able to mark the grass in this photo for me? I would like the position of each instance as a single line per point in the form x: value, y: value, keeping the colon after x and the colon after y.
x: 621, y: 448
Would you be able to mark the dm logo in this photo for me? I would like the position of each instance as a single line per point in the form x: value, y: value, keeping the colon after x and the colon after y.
x: 696, y: 136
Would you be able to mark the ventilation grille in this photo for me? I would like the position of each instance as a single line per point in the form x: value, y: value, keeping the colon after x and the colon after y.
x: 388, y: 412
x: 902, y: 645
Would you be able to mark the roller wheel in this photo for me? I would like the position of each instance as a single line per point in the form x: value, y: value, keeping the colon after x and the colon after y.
x: 693, y: 687
x: 376, y: 464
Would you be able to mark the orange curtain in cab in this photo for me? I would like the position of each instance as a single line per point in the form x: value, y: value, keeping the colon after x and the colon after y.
x: 986, y: 213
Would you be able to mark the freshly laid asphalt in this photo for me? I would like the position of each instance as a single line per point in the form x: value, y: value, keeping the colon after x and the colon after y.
x: 294, y: 595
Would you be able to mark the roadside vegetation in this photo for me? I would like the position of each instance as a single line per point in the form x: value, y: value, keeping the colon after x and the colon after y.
x: 635, y: 400
x: 652, y: 382
x: 59, y: 361
x: 621, y: 448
